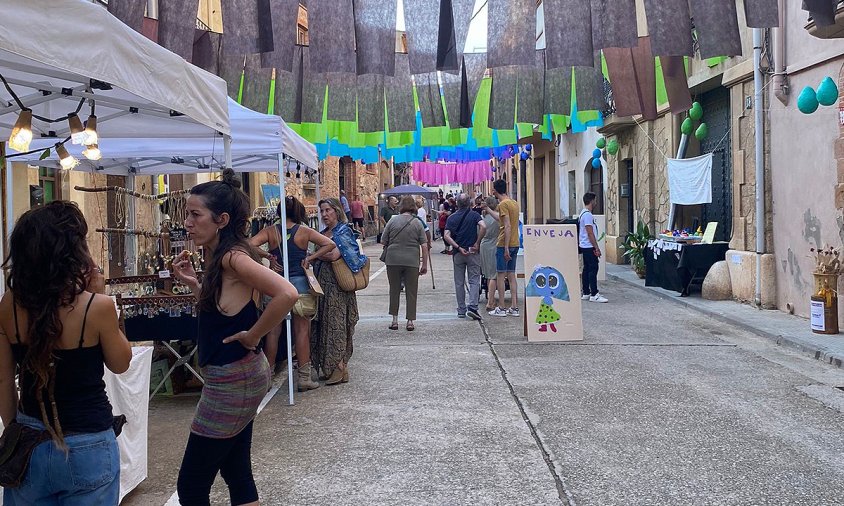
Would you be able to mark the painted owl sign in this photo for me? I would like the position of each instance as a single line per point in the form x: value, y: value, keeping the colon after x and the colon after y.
x: 553, y: 307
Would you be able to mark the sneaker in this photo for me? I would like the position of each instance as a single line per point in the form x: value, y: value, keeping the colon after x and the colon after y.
x: 498, y: 312
x: 513, y: 311
x: 585, y: 297
x: 598, y: 298
x: 473, y: 314
x: 461, y: 315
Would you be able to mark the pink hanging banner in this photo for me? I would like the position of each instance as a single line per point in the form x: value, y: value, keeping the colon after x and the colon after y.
x: 447, y: 173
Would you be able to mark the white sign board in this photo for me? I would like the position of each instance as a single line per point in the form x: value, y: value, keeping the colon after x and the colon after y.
x: 552, y: 291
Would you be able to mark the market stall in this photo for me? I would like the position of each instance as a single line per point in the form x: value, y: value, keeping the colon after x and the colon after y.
x: 676, y: 266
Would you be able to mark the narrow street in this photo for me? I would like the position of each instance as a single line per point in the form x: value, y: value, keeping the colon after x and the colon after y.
x: 659, y: 405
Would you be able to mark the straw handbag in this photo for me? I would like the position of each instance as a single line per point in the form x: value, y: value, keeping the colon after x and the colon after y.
x: 350, y: 281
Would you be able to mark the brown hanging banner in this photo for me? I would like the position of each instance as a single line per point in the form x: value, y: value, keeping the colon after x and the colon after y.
x: 529, y: 96
x: 370, y: 89
x: 502, y: 104
x: 670, y: 27
x: 569, y: 40
x: 342, y: 90
x: 313, y: 91
x: 511, y: 32
x: 421, y: 16
x: 131, y: 12
x: 331, y: 30
x: 430, y: 103
x: 822, y: 12
x: 716, y: 23
x: 285, y: 21
x: 247, y: 26
x: 288, y: 90
x: 643, y: 63
x: 176, y: 24
x: 676, y: 83
x: 557, y: 91
x: 375, y: 35
x: 256, y: 84
x: 207, y: 51
x: 614, y: 23
x: 401, y: 110
x: 589, y: 82
x: 762, y: 13
x: 625, y: 87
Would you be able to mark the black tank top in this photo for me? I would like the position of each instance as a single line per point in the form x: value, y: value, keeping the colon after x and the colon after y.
x: 295, y: 253
x: 79, y: 389
x: 214, y: 326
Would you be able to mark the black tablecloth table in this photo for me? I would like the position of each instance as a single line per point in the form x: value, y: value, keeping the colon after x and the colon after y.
x: 677, y: 270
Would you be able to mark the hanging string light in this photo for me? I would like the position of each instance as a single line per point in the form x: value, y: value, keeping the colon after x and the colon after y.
x: 92, y: 152
x: 77, y: 130
x: 91, y: 137
x: 22, y: 131
x: 66, y: 160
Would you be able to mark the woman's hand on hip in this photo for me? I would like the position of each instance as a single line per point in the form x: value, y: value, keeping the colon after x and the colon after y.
x: 245, y: 340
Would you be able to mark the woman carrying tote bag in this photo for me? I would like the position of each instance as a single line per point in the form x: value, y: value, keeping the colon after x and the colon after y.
x: 402, y: 238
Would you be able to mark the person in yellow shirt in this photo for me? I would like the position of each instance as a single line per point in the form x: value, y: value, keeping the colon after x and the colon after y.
x: 508, y: 249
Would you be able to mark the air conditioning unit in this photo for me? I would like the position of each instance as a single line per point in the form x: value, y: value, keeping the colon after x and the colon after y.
x: 624, y: 190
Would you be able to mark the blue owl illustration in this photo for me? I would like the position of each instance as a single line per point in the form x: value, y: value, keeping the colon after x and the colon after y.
x: 548, y: 283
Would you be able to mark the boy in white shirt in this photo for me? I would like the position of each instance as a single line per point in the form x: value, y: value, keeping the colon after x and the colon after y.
x: 588, y: 242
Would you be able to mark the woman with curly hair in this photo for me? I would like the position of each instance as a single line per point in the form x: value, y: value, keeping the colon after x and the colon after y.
x: 237, y: 375
x: 59, y: 332
x: 337, y: 314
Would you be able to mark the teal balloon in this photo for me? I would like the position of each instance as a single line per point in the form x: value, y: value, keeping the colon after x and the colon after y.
x: 612, y: 147
x: 602, y: 143
x: 687, y: 126
x: 696, y: 112
x: 596, y: 163
x: 596, y: 153
x: 827, y: 92
x: 807, y: 102
x: 702, y: 132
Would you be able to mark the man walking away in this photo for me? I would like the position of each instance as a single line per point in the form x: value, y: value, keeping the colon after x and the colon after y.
x: 387, y: 212
x: 346, y: 209
x: 588, y: 243
x: 357, y: 216
x: 508, y: 249
x: 464, y: 231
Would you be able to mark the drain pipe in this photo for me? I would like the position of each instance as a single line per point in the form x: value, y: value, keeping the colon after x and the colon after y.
x: 780, y: 76
x: 760, y: 160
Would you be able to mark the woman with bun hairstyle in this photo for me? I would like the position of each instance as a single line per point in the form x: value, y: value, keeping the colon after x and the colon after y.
x: 59, y: 332
x: 299, y: 238
x: 237, y: 375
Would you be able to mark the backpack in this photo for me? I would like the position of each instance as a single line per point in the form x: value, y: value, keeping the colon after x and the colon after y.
x: 574, y: 221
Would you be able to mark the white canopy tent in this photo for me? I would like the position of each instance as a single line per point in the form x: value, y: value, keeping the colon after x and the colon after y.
x: 258, y: 142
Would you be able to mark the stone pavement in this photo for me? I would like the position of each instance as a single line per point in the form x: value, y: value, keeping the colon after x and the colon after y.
x: 660, y: 404
x: 784, y: 329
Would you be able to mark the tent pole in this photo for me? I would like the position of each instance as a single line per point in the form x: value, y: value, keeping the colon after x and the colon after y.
x: 227, y: 150
x: 318, y: 198
x: 283, y: 218
x: 10, y: 197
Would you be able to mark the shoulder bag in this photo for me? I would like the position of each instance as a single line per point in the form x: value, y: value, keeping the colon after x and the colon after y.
x: 383, y: 256
x: 314, y: 287
x: 16, y: 446
x: 347, y: 280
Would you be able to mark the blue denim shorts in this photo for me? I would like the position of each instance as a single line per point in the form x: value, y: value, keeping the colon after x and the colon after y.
x: 88, y: 474
x: 502, y: 265
x: 301, y: 284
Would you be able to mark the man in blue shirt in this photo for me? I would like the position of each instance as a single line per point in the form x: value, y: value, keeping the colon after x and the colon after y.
x: 464, y: 230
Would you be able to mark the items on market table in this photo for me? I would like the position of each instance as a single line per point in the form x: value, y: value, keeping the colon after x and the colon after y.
x: 686, y: 234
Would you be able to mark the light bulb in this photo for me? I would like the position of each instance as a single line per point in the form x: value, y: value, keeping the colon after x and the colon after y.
x: 77, y: 131
x: 22, y: 132
x: 92, y: 152
x: 65, y: 159
x: 91, y: 136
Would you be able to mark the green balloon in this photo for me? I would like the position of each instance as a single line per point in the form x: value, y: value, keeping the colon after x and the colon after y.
x: 807, y: 101
x: 702, y: 132
x: 827, y: 92
x: 687, y: 126
x: 612, y: 147
x: 696, y: 112
x: 601, y: 144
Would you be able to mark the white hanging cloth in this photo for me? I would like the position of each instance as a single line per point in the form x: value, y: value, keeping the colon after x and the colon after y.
x: 690, y: 180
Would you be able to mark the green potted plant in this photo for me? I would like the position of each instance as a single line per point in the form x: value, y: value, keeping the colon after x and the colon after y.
x: 634, y: 247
